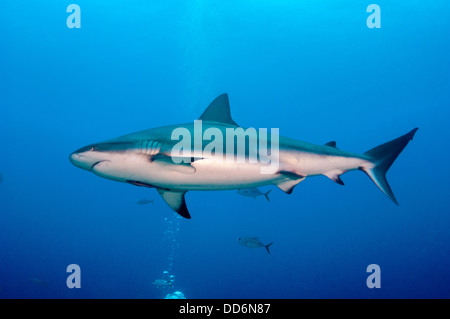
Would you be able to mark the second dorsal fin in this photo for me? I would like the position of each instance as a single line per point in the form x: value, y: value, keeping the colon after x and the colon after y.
x: 218, y: 111
x: 331, y: 144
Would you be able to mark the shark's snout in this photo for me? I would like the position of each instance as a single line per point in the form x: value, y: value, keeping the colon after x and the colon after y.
x: 83, y: 157
x: 88, y: 156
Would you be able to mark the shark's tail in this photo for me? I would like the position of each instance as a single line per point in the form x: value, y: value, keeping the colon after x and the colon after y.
x: 383, y: 156
x: 267, y: 247
x: 267, y: 195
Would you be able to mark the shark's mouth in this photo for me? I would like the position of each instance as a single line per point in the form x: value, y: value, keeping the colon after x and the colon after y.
x: 96, y: 163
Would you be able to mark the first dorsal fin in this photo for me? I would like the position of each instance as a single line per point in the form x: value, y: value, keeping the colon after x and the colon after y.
x: 219, y: 111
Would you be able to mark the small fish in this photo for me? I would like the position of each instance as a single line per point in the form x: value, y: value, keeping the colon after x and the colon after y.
x: 253, y: 192
x: 145, y: 201
x: 253, y: 242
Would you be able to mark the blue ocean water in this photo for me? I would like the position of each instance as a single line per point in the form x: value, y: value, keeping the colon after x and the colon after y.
x: 313, y: 69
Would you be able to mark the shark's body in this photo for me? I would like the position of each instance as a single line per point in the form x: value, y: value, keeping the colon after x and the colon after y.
x: 145, y: 159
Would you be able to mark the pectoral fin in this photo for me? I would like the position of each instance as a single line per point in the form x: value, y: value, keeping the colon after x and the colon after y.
x: 175, y: 200
x: 178, y: 164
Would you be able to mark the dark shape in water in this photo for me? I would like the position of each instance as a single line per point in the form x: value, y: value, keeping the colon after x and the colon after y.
x: 253, y: 242
x: 145, y: 201
x: 39, y: 282
x: 253, y: 192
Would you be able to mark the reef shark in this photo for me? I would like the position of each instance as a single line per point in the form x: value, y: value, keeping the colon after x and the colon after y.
x: 147, y: 159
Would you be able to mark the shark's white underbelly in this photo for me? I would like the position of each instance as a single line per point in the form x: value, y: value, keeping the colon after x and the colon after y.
x: 207, y: 174
x: 200, y: 175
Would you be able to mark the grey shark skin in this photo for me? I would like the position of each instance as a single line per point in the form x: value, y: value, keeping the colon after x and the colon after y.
x: 144, y: 159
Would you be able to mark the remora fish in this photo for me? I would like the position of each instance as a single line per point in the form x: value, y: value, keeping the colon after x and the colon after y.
x: 253, y: 242
x: 253, y: 192
x: 145, y: 159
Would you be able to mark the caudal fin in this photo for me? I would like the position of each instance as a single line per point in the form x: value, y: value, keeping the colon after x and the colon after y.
x: 267, y: 247
x: 267, y: 195
x: 383, y: 156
